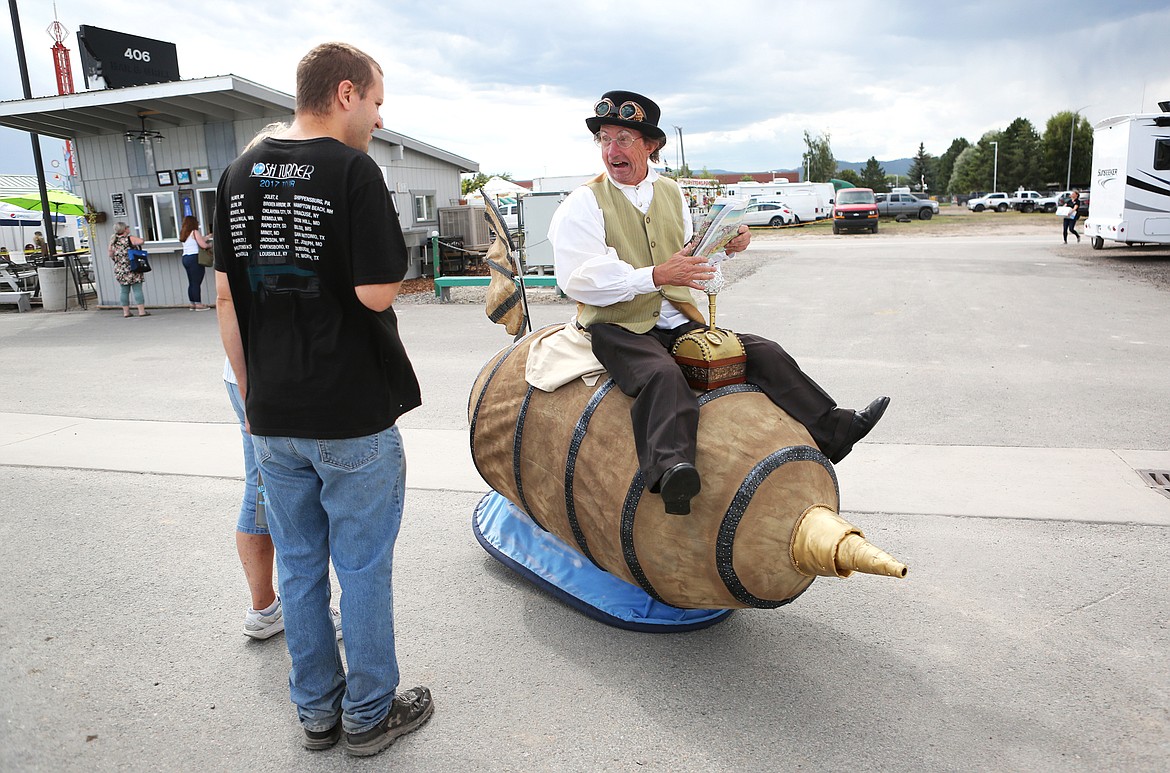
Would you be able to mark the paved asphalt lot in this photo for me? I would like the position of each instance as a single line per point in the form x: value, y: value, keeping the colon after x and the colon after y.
x: 1033, y: 632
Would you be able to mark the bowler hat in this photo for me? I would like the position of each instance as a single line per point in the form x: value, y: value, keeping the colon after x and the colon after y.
x: 625, y: 108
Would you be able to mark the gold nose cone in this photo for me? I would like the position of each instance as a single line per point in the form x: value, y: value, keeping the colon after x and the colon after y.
x: 826, y: 545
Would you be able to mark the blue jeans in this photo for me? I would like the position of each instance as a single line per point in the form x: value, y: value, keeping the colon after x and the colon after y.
x: 195, y: 274
x: 247, y: 518
x: 339, y: 499
x: 138, y: 299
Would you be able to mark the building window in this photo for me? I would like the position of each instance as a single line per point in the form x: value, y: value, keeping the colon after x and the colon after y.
x: 1162, y: 154
x: 424, y: 206
x: 157, y: 216
x: 207, y: 209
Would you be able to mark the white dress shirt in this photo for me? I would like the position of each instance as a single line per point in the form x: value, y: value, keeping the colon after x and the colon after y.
x: 589, y: 270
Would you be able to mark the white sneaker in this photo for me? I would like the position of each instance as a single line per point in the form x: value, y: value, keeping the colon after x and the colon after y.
x: 260, y: 626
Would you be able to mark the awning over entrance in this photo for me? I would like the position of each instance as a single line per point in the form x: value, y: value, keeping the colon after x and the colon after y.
x: 216, y: 99
x: 108, y: 111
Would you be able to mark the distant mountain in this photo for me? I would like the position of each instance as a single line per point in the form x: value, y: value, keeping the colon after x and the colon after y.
x: 897, y: 166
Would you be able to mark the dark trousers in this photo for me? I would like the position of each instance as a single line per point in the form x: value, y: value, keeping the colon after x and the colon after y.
x: 665, y: 412
x: 1070, y: 227
x: 195, y: 274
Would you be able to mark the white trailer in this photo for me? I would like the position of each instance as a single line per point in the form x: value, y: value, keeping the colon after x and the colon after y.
x: 1130, y: 200
x: 804, y: 204
x: 821, y: 203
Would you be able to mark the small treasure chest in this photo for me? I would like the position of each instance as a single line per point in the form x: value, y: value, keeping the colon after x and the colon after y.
x: 711, y: 358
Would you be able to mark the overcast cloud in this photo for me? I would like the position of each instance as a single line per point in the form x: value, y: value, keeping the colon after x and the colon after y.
x: 509, y: 84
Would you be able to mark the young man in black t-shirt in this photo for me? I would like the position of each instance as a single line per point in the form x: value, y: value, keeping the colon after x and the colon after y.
x: 309, y: 258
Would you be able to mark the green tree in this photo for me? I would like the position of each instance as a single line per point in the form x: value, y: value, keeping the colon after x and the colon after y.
x: 850, y: 176
x: 818, y: 158
x: 747, y: 178
x: 966, y: 177
x: 874, y: 176
x: 480, y: 179
x: 922, y: 171
x: 1021, y: 163
x: 977, y: 170
x: 1057, y: 134
x: 946, y: 165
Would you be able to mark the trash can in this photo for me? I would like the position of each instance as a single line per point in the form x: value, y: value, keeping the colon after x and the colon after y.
x: 54, y: 285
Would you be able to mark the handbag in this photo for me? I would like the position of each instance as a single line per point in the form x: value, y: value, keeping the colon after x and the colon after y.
x: 139, y: 260
x: 206, y: 259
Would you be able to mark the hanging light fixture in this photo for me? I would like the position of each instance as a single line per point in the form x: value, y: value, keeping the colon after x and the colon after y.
x: 143, y: 135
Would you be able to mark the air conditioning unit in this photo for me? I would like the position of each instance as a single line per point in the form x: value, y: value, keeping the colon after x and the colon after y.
x: 469, y: 222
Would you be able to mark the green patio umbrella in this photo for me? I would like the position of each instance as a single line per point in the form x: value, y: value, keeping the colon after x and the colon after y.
x: 60, y: 202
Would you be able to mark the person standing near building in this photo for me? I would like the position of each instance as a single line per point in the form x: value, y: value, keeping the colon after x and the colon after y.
x: 193, y: 241
x: 309, y: 260
x: 128, y: 281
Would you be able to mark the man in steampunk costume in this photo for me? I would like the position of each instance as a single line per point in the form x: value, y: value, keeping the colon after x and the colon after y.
x: 620, y: 250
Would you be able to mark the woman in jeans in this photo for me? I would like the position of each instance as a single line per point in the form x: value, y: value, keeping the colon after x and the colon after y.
x: 193, y: 241
x: 1070, y: 220
x: 120, y: 244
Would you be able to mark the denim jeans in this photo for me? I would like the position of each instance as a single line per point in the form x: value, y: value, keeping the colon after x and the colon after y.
x: 138, y: 297
x: 246, y: 522
x: 195, y: 274
x: 339, y: 499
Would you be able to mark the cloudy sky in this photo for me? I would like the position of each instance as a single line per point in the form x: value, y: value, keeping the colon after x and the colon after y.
x: 509, y: 84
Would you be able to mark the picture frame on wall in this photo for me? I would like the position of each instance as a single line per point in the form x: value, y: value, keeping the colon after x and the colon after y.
x: 182, y: 176
x: 164, y: 178
x: 202, y: 174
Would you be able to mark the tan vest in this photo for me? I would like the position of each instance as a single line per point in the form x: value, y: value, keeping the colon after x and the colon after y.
x: 640, y: 240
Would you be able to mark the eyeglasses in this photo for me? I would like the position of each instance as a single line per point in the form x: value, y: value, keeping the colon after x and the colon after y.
x: 623, y: 140
x: 629, y: 111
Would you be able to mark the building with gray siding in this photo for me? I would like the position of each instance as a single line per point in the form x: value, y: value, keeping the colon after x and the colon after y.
x: 152, y: 183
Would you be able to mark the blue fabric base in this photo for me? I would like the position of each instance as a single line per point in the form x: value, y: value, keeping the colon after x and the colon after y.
x: 512, y: 538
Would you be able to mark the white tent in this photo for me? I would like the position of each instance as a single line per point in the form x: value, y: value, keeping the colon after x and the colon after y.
x: 497, y: 188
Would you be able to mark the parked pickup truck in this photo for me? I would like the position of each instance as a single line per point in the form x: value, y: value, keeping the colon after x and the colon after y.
x: 894, y: 204
x: 1030, y: 201
x: 1000, y: 202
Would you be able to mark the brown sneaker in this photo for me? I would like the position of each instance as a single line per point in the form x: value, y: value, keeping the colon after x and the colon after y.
x: 408, y: 712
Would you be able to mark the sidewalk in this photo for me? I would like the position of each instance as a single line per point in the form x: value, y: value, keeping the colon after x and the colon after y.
x: 1066, y: 484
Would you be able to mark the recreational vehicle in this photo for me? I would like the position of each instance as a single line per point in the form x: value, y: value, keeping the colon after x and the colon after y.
x: 1131, y: 180
x: 822, y: 205
x: 803, y: 204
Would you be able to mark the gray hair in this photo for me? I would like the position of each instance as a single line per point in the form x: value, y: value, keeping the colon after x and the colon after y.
x: 271, y: 130
x: 120, y: 228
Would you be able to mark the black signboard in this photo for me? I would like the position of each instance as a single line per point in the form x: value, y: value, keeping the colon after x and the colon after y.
x: 111, y: 60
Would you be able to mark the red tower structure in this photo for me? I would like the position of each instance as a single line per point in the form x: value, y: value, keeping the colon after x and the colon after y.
x: 58, y: 32
x: 64, y: 70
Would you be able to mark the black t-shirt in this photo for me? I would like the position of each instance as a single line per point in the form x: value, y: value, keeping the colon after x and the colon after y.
x: 298, y: 224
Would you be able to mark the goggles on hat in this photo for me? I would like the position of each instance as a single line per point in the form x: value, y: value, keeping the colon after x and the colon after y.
x: 628, y: 111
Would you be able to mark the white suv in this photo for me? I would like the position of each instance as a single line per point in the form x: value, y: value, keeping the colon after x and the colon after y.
x: 1000, y: 202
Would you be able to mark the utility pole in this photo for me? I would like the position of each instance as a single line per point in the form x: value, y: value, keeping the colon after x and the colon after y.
x: 995, y: 169
x: 1071, y: 134
x: 682, y: 150
x: 38, y: 162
